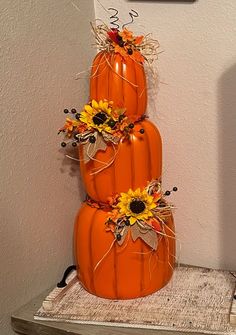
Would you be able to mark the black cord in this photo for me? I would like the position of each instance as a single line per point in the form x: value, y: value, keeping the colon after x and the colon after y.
x: 63, y: 283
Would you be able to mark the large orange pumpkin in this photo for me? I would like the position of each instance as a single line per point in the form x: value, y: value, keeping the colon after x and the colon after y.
x: 138, y: 160
x: 111, y: 271
x: 121, y: 80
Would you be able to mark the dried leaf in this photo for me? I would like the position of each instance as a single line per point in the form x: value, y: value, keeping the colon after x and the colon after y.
x: 90, y: 149
x: 135, y: 233
x: 100, y: 143
x: 150, y: 238
x: 110, y: 138
x: 148, y: 235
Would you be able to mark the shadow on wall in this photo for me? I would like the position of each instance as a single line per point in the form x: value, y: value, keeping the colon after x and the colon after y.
x: 227, y: 167
x: 70, y: 164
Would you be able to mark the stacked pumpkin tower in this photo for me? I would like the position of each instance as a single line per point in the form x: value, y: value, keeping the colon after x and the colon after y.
x: 124, y: 232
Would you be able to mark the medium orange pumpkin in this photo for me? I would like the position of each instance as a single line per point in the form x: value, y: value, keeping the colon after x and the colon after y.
x: 121, y: 80
x: 137, y: 161
x: 111, y: 271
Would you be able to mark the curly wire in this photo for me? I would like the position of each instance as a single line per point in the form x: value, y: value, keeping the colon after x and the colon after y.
x: 114, y: 18
x: 133, y: 14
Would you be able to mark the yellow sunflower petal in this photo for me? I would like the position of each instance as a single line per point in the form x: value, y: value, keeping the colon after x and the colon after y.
x: 123, y: 196
x: 89, y: 109
x: 130, y: 193
x: 83, y: 119
x: 152, y: 206
x: 95, y: 104
x: 103, y: 105
x: 107, y: 129
x: 100, y: 104
x: 123, y: 200
x: 132, y: 220
x: 145, y: 194
x: 86, y: 119
x: 123, y: 210
x: 108, y: 111
x: 142, y: 216
x: 137, y: 193
x: 149, y: 199
x: 83, y: 114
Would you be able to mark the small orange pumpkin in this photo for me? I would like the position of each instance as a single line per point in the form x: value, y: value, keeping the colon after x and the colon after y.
x: 120, y: 80
x: 111, y: 271
x: 137, y: 161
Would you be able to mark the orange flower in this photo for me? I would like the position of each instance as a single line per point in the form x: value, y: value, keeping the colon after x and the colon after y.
x: 138, y: 40
x: 82, y: 127
x: 110, y: 226
x: 113, y: 215
x: 110, y: 200
x: 69, y: 126
x: 126, y: 35
x: 120, y: 50
x: 157, y: 196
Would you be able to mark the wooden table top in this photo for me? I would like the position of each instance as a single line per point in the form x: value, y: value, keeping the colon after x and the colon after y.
x: 23, y: 322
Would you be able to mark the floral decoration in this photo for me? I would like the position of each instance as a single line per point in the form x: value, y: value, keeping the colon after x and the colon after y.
x: 137, y: 205
x: 139, y: 48
x: 126, y: 44
x: 142, y: 212
x: 98, y: 124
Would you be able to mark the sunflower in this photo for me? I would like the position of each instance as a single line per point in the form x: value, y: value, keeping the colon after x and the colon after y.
x: 98, y: 115
x: 137, y: 205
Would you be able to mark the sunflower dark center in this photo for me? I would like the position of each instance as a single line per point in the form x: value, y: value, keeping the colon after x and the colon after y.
x: 99, y: 118
x: 137, y: 206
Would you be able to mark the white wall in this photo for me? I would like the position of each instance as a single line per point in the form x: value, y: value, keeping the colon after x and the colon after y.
x: 43, y: 45
x: 195, y: 111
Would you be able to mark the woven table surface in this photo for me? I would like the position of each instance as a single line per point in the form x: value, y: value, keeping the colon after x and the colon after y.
x: 196, y: 300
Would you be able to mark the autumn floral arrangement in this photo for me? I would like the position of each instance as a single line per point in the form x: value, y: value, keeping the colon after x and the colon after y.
x: 139, y: 48
x: 97, y: 125
x: 140, y: 213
